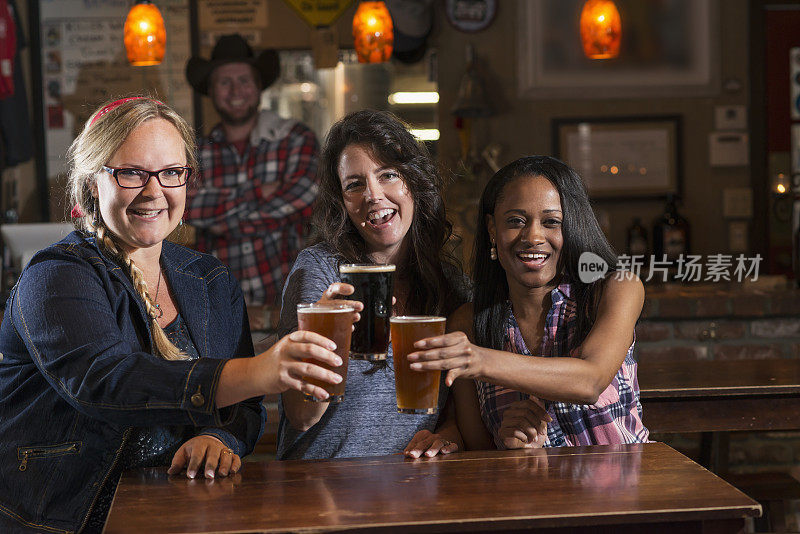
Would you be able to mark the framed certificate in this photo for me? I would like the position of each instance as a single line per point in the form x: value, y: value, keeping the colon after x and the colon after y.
x: 622, y: 157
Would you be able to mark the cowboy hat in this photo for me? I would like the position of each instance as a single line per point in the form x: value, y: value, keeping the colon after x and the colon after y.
x: 232, y: 49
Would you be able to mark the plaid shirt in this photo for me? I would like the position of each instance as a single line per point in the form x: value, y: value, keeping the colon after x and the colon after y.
x: 257, y: 237
x: 615, y: 418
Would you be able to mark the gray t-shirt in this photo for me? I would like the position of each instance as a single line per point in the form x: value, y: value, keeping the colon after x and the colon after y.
x: 366, y: 422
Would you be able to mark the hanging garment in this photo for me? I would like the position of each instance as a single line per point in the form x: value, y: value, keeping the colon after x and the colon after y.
x: 8, y: 49
x: 16, y: 135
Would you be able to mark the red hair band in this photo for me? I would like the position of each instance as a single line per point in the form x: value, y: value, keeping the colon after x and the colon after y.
x: 118, y: 103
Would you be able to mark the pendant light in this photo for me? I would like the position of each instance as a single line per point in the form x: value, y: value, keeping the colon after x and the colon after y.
x: 145, y: 36
x: 373, y: 32
x: 601, y: 29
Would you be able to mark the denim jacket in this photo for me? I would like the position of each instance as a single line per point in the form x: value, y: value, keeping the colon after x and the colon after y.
x: 77, y: 371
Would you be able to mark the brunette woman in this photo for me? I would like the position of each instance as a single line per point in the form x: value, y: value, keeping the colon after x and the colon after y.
x: 379, y: 202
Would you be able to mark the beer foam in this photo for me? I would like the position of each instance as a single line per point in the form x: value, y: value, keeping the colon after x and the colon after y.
x: 343, y: 308
x: 416, y: 319
x: 347, y: 268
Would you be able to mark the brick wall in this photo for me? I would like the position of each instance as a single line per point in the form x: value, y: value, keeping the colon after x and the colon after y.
x: 718, y: 339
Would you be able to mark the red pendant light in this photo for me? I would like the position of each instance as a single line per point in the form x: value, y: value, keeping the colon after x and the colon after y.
x: 145, y: 36
x: 601, y: 29
x: 373, y: 32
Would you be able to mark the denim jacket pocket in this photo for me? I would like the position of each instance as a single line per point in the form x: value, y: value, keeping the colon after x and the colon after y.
x: 45, y: 451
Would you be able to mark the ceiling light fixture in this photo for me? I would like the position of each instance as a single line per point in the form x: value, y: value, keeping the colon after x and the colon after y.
x: 601, y: 29
x: 145, y: 35
x: 373, y: 32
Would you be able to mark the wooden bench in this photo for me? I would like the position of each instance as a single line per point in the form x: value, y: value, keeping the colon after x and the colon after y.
x: 772, y: 490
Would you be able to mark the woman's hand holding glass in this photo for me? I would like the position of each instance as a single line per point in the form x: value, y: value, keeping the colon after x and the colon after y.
x: 285, y: 365
x: 452, y: 352
x: 340, y: 289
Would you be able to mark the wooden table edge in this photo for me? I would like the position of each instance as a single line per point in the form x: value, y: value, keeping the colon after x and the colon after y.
x: 720, y: 391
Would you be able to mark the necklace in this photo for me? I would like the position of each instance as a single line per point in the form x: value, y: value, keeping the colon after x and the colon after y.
x: 157, y: 305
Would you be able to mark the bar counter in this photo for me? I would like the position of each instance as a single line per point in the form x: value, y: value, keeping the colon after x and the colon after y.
x: 639, y: 488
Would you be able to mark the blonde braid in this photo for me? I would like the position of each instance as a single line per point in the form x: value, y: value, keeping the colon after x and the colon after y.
x: 165, y: 348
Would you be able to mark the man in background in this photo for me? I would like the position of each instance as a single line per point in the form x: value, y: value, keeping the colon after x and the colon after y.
x: 258, y: 172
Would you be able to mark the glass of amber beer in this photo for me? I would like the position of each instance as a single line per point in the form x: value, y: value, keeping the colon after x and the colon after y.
x: 417, y: 391
x: 335, y: 321
x: 373, y: 285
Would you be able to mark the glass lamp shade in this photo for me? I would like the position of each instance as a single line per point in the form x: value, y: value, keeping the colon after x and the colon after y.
x: 145, y: 35
x: 601, y: 29
x: 373, y: 32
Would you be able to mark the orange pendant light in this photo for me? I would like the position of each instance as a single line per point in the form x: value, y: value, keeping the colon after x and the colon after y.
x: 601, y: 29
x: 145, y: 35
x: 373, y: 32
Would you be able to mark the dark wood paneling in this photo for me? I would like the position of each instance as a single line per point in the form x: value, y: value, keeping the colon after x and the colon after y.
x: 719, y: 378
x: 687, y: 415
x: 721, y: 395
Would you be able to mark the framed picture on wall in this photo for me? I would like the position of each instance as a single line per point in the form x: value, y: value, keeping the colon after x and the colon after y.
x: 668, y: 48
x: 622, y: 157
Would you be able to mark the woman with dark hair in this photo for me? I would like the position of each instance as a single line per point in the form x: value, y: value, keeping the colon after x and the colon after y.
x: 538, y: 327
x: 379, y: 202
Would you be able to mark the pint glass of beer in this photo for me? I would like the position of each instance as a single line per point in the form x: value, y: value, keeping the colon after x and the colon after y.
x: 417, y: 391
x: 334, y: 321
x: 373, y: 285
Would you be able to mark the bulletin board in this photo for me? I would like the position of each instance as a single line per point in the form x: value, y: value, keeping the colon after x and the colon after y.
x: 83, y: 63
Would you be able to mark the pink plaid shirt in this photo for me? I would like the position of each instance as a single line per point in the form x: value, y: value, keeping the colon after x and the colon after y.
x: 258, y: 237
x: 615, y: 418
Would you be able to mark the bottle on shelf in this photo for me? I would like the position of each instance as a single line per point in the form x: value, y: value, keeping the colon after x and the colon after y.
x: 670, y: 233
x: 637, y: 238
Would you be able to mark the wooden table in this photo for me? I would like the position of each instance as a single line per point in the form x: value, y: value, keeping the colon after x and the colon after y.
x: 646, y: 488
x: 721, y: 395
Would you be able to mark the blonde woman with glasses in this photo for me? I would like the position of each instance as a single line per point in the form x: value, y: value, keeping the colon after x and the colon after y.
x: 122, y: 350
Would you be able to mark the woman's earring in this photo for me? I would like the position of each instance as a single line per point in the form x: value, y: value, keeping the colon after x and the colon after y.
x: 493, y: 252
x: 96, y: 212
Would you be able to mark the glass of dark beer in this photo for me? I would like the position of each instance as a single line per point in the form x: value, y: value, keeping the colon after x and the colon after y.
x: 417, y: 391
x: 373, y: 284
x: 334, y: 321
